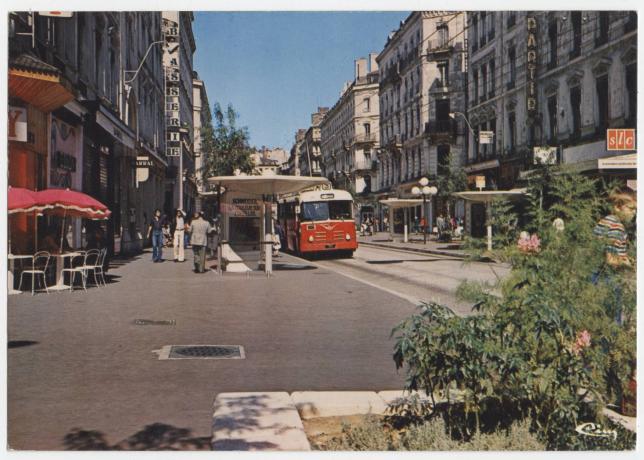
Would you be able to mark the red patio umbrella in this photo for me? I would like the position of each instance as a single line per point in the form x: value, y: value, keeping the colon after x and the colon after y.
x: 67, y: 202
x: 23, y: 200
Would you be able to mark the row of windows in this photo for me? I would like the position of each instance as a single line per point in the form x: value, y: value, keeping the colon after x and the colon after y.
x: 571, y: 110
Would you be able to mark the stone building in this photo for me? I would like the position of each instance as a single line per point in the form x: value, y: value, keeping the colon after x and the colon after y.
x: 269, y: 161
x: 350, y: 134
x: 581, y: 79
x: 201, y: 117
x: 92, y: 99
x: 295, y: 156
x: 312, y: 146
x: 422, y: 87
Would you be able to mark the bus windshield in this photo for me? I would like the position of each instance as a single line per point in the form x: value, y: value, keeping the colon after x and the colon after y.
x: 326, y: 210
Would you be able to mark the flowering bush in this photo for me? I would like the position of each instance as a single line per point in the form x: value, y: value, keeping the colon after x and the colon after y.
x: 529, y: 244
x: 583, y: 341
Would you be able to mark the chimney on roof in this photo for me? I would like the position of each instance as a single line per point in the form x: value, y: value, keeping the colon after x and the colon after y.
x: 361, y: 68
x: 373, y: 65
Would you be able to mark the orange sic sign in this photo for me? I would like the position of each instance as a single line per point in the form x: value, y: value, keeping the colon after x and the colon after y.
x: 620, y: 139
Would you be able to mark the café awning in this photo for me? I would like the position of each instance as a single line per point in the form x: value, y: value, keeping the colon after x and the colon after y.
x: 38, y: 83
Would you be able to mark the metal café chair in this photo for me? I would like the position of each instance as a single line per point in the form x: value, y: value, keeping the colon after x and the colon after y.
x: 39, y: 265
x: 98, y: 269
x: 89, y: 266
x: 76, y: 267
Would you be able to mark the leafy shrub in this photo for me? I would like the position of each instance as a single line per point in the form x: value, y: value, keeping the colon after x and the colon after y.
x: 550, y: 340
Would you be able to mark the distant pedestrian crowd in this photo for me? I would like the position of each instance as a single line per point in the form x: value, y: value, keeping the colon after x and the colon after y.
x: 182, y: 232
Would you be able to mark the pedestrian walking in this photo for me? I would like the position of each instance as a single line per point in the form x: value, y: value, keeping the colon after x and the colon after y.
x: 156, y: 231
x: 199, y: 229
x: 178, y: 237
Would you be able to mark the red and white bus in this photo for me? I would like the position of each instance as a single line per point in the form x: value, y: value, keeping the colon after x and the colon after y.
x: 319, y: 221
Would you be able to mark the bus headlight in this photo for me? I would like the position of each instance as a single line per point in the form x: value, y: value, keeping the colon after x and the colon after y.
x: 347, y: 237
x: 311, y: 239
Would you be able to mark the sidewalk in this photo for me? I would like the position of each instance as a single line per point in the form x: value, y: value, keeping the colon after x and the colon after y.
x: 415, y: 244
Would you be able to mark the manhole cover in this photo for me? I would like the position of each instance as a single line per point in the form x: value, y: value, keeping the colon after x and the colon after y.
x: 202, y: 352
x: 150, y: 322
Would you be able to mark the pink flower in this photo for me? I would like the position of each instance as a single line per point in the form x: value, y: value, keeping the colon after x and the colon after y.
x: 529, y: 244
x: 583, y: 341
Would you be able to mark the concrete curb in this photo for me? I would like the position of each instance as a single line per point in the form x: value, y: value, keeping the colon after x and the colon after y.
x: 272, y: 421
x: 259, y: 421
x: 311, y: 404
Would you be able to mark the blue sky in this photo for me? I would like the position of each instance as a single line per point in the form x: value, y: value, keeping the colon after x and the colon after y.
x: 276, y: 68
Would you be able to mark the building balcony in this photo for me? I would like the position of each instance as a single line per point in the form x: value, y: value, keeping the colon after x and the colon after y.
x: 438, y: 50
x: 394, y: 143
x: 364, y: 165
x: 441, y: 129
x: 365, y: 138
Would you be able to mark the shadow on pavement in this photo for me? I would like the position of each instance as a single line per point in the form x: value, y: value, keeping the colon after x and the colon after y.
x: 20, y: 343
x: 157, y: 436
x: 239, y: 414
x: 287, y: 266
x: 398, y: 261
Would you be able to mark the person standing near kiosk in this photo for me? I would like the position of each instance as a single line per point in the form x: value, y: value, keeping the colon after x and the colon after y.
x: 179, y: 231
x: 199, y: 229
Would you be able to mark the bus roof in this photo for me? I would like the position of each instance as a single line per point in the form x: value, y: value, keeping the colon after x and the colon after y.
x: 320, y: 195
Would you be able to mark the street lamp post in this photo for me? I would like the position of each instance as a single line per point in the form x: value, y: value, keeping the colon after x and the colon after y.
x: 425, y: 191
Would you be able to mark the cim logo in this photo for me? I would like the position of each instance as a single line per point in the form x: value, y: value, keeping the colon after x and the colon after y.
x: 620, y: 139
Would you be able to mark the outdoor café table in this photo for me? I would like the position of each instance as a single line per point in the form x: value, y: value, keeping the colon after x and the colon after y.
x: 12, y: 259
x: 60, y: 264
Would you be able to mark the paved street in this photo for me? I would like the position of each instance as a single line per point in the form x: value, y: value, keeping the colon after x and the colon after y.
x: 77, y: 361
x: 413, y: 276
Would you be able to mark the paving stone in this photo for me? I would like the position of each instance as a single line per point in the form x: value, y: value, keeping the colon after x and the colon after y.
x: 311, y: 404
x: 257, y: 422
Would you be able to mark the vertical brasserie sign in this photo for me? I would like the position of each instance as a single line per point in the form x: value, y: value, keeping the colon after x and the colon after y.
x: 531, y: 70
x: 172, y: 84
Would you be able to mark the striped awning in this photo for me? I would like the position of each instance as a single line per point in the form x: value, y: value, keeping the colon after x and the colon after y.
x: 38, y: 83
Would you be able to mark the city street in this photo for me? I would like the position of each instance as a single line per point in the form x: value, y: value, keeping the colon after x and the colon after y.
x: 76, y: 360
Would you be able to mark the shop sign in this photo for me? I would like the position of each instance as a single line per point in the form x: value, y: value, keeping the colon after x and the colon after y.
x: 531, y: 68
x: 172, y: 87
x: 65, y: 155
x: 620, y: 139
x: 242, y: 207
x: 486, y: 137
x: 545, y: 155
x: 56, y: 14
x: 17, y: 124
x: 618, y: 162
x: 143, y: 165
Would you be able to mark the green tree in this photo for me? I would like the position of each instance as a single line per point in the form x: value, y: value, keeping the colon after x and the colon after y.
x: 225, y: 146
x: 453, y: 180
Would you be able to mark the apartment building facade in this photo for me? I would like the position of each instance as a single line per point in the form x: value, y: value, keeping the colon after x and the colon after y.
x: 94, y: 122
x: 311, y: 159
x: 350, y: 134
x: 421, y: 88
x: 549, y: 84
